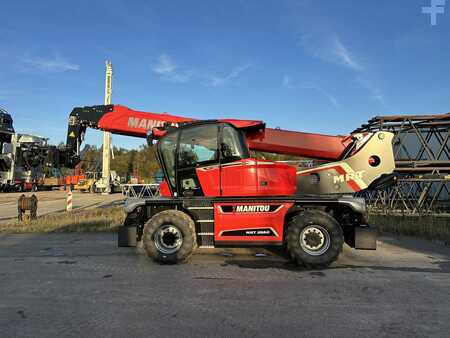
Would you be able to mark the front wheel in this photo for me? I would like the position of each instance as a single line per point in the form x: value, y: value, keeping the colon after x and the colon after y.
x: 169, y: 237
x: 314, y: 239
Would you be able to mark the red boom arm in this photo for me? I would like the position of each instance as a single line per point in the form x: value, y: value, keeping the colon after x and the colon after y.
x: 122, y: 120
x: 309, y: 145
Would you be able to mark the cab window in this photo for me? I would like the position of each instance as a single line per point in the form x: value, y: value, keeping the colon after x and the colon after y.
x: 198, y: 146
x: 168, y: 146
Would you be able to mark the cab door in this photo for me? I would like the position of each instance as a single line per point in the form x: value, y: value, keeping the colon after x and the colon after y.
x: 197, y: 172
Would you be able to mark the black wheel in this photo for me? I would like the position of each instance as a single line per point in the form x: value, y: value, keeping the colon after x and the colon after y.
x: 169, y: 237
x: 314, y: 239
x: 34, y: 187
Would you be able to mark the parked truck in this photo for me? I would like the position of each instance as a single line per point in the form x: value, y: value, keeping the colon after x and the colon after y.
x: 24, y: 159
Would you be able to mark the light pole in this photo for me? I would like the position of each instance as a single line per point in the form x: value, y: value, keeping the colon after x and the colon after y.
x: 106, y: 174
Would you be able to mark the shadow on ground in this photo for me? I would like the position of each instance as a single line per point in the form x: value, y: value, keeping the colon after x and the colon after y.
x: 441, y: 267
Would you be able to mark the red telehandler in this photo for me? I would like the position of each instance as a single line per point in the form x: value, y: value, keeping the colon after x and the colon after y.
x: 215, y: 194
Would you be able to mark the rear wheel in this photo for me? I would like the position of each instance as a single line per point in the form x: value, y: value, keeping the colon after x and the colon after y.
x: 169, y: 237
x: 314, y: 239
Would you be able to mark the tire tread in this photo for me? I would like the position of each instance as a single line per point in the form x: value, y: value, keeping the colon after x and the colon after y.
x: 186, y: 225
x: 296, y: 225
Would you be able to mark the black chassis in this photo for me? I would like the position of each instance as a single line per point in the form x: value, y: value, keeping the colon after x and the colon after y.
x: 349, y: 211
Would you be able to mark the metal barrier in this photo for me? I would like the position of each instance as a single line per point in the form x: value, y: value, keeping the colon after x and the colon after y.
x: 411, y: 196
x: 140, y: 190
x: 422, y: 158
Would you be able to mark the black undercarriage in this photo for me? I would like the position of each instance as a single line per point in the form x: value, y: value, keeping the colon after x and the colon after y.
x: 349, y: 212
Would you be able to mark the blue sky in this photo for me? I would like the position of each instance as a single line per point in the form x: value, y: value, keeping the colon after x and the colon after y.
x: 318, y: 66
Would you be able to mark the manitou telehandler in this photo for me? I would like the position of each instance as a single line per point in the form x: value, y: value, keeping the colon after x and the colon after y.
x: 216, y: 195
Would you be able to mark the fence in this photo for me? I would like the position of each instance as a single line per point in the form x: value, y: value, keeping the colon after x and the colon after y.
x: 140, y: 190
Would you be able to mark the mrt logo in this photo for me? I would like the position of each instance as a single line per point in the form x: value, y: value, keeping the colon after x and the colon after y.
x: 351, y: 176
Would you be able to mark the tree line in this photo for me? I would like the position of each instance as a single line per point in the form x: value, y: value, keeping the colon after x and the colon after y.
x: 140, y: 163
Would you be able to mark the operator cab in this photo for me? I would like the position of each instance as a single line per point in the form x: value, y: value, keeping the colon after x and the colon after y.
x: 212, y: 159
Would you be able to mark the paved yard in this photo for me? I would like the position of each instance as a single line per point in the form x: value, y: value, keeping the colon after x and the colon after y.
x: 61, y: 285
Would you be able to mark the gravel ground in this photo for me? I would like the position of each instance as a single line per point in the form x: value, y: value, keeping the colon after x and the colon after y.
x: 83, y: 285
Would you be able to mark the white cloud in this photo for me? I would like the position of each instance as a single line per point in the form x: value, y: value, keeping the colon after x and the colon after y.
x: 168, y: 70
x: 165, y: 65
x: 344, y: 56
x: 235, y: 72
x: 56, y: 64
x: 325, y: 93
x: 287, y: 81
x: 318, y: 38
x: 374, y: 91
x: 329, y: 48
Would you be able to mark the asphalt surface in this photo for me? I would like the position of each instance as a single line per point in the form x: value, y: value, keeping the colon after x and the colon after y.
x: 61, y: 285
x: 54, y: 201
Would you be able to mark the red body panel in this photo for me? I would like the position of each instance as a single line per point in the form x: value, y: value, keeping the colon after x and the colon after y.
x: 164, y: 189
x: 249, y: 222
x: 251, y: 177
x: 209, y: 178
x: 247, y: 177
x: 239, y: 178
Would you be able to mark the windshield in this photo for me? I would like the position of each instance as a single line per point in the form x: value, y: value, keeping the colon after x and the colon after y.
x: 233, y: 145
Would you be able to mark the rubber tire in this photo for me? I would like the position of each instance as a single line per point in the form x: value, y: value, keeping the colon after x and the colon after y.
x: 183, y: 222
x: 318, y: 217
